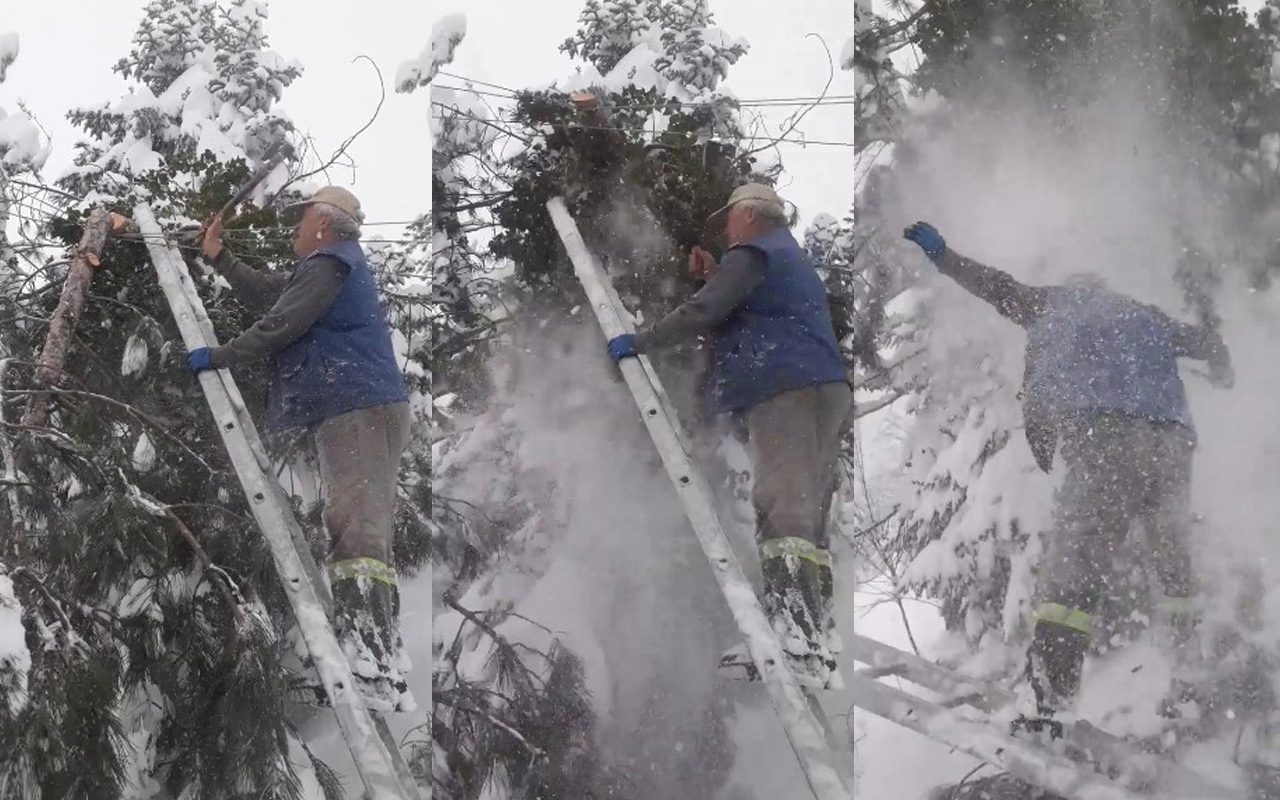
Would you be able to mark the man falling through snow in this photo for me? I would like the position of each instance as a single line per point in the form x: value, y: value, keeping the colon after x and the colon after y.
x: 333, y: 371
x: 774, y: 362
x: 1102, y: 377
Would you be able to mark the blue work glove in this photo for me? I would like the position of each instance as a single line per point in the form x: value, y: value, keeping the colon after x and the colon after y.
x: 622, y: 346
x: 200, y: 359
x: 930, y: 241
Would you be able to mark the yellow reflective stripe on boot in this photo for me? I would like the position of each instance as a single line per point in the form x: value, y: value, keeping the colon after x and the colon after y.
x: 794, y: 546
x: 362, y: 567
x: 1059, y: 614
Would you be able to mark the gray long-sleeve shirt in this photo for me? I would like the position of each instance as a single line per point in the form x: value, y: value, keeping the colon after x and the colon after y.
x: 737, y: 275
x: 292, y: 303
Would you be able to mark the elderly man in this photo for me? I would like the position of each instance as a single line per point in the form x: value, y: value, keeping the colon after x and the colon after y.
x: 333, y: 371
x: 775, y: 363
x: 1101, y: 376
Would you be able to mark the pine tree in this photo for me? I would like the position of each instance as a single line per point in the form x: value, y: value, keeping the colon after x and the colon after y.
x: 155, y: 664
x: 608, y: 30
x: 696, y: 56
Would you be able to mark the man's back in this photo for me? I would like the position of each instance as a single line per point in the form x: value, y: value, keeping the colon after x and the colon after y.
x: 780, y: 336
x: 1090, y: 349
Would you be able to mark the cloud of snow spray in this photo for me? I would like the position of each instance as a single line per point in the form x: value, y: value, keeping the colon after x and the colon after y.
x: 1008, y: 187
x: 611, y: 566
x: 621, y: 579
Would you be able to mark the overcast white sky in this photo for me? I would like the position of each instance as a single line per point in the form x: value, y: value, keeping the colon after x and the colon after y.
x: 68, y: 47
x: 514, y: 44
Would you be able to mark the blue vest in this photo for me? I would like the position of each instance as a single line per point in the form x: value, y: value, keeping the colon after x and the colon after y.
x: 1094, y: 350
x: 780, y: 337
x: 344, y: 361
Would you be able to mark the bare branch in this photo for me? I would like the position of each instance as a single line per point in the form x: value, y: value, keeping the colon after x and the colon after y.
x: 342, y: 148
x: 831, y: 74
x: 861, y: 410
x: 873, y: 36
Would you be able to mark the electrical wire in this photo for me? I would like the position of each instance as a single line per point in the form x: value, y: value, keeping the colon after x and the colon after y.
x: 629, y: 130
x: 830, y: 100
x: 848, y: 99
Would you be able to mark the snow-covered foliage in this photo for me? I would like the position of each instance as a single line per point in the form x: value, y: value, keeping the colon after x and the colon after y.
x: 20, y: 141
x: 608, y: 31
x: 878, y: 84
x: 22, y: 148
x: 446, y: 35
x: 671, y: 47
x: 157, y: 662
x: 978, y: 504
x: 15, y: 660
x: 202, y: 82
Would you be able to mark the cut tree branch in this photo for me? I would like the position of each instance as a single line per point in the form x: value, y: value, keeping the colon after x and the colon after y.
x: 87, y: 258
x: 492, y: 720
x: 230, y: 591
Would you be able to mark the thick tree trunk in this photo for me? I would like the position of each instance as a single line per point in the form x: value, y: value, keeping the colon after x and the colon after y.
x: 62, y: 328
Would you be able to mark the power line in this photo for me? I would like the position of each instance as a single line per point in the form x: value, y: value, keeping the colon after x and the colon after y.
x: 474, y: 80
x: 798, y: 100
x: 745, y: 138
x: 830, y: 100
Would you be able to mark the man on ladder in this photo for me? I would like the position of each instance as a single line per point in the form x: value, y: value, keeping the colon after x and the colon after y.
x: 776, y: 365
x: 333, y: 370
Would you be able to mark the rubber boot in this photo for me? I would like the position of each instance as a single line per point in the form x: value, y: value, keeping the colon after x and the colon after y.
x: 797, y: 599
x: 1186, y: 689
x: 1054, y: 664
x: 366, y: 622
x: 798, y: 596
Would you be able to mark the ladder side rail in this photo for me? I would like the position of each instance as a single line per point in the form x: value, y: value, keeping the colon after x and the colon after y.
x: 373, y: 763
x: 195, y: 306
x: 1056, y: 773
x: 803, y: 730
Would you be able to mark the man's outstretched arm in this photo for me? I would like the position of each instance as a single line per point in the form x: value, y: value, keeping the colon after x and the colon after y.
x: 1017, y: 301
x: 738, y: 274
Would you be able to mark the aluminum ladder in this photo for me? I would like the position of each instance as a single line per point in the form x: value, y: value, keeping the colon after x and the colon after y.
x: 802, y: 718
x: 377, y: 758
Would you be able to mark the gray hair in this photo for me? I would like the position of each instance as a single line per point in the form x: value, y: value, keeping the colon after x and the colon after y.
x: 344, y: 226
x: 763, y: 208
